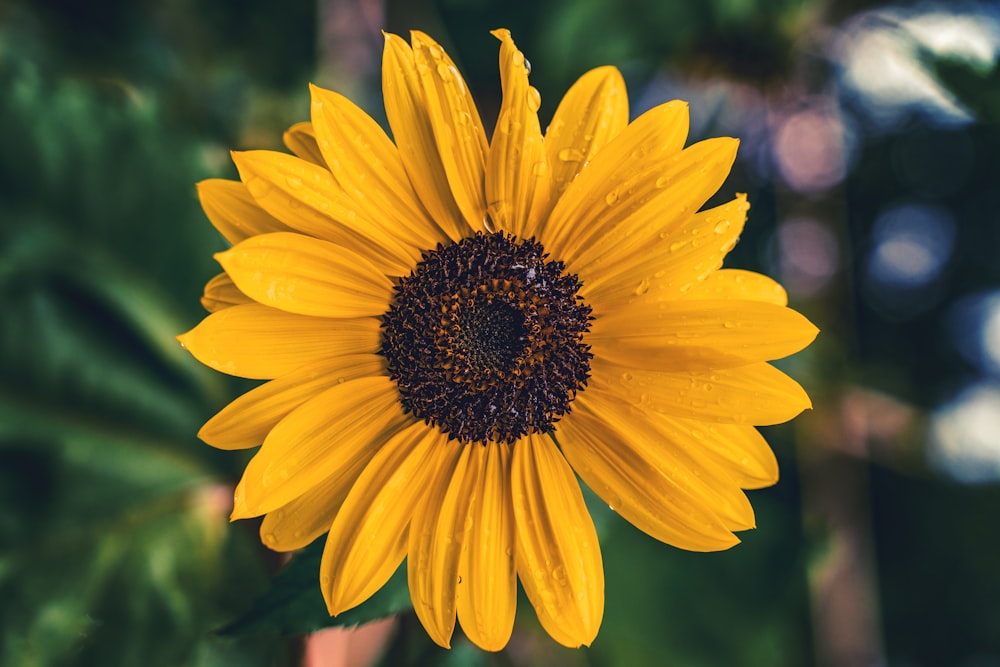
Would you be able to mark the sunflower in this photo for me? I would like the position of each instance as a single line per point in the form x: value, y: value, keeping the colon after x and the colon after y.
x: 454, y: 327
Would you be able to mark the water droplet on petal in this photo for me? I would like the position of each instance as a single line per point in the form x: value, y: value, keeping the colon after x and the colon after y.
x: 612, y: 198
x: 534, y: 98
x: 570, y: 155
x: 643, y: 287
x: 444, y: 72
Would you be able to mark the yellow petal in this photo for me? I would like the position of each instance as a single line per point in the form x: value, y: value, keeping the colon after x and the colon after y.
x: 672, y: 265
x: 487, y: 589
x: 740, y: 449
x: 437, y: 535
x: 301, y: 140
x: 738, y: 284
x: 260, y: 343
x: 651, y: 203
x: 655, y: 483
x: 221, y: 293
x: 558, y: 556
x: 518, y: 182
x: 698, y: 335
x: 297, y: 524
x: 592, y: 113
x: 233, y: 212
x: 367, y: 165
x: 307, y: 276
x: 325, y: 437
x: 599, y: 195
x: 458, y: 129
x: 308, y: 199
x: 757, y: 394
x: 367, y: 541
x: 246, y: 421
x: 406, y: 110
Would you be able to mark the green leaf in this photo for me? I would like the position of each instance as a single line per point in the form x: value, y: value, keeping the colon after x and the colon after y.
x: 294, y: 605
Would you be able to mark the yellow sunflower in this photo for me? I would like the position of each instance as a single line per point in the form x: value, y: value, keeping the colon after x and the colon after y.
x: 455, y: 327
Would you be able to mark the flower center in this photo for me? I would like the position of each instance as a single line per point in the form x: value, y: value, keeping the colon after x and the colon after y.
x: 484, y: 339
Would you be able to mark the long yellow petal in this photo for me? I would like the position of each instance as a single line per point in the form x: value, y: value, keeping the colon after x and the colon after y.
x: 296, y: 524
x: 301, y: 140
x: 592, y: 113
x: 557, y: 552
x: 698, y: 335
x: 221, y: 293
x: 740, y: 449
x: 518, y: 182
x: 651, y: 202
x: 600, y: 195
x: 674, y: 264
x: 261, y: 343
x: 487, y: 589
x: 437, y: 537
x: 367, y: 541
x: 247, y: 420
x: 232, y: 210
x: 758, y: 394
x: 458, y: 129
x: 325, y: 437
x: 307, y: 198
x: 657, y: 484
x: 738, y: 284
x: 367, y: 165
x: 406, y: 110
x: 307, y: 276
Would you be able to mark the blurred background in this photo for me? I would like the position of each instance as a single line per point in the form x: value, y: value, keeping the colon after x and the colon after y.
x: 869, y: 152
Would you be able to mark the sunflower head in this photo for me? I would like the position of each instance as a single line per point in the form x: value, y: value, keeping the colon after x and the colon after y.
x: 454, y: 326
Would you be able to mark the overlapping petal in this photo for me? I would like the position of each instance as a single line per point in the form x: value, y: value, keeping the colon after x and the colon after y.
x: 621, y: 179
x: 487, y: 590
x: 674, y: 263
x: 367, y: 541
x: 234, y: 212
x: 301, y: 140
x: 758, y: 394
x: 698, y: 335
x: 221, y: 293
x: 650, y: 480
x: 437, y: 534
x: 558, y: 556
x: 518, y: 182
x: 261, y: 343
x: 307, y: 276
x: 592, y: 113
x: 247, y: 420
x: 316, y: 443
x: 413, y: 131
x: 367, y: 165
x: 306, y: 197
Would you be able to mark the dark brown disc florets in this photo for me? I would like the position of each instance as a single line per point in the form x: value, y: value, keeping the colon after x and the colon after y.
x: 485, y: 339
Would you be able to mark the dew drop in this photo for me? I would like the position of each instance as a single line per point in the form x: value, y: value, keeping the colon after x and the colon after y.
x: 643, y: 287
x: 627, y: 377
x: 677, y: 245
x: 444, y: 72
x: 534, y: 98
x: 570, y: 155
x: 662, y: 181
x: 721, y: 227
x: 540, y: 169
x: 612, y: 198
x: 527, y: 64
x: 729, y: 324
x: 294, y: 182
